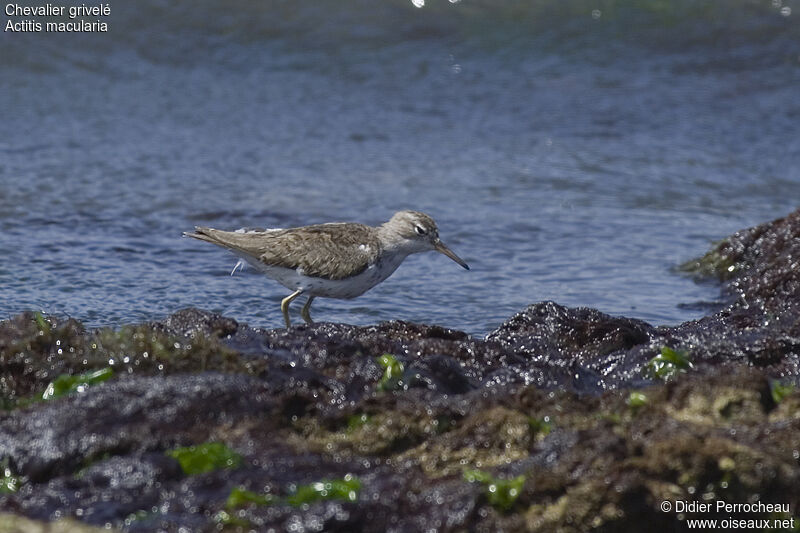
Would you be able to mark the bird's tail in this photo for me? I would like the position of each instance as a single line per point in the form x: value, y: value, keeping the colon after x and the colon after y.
x: 239, y: 243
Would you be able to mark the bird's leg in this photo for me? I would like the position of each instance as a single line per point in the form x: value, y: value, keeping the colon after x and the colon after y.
x: 305, y: 310
x: 285, y: 306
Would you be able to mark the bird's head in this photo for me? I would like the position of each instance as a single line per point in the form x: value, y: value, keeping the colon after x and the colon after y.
x: 418, y: 233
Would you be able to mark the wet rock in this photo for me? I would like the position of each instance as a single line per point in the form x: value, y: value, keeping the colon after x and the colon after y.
x: 760, y: 265
x: 551, y: 328
x: 190, y: 322
x: 563, y: 400
x: 29, y: 352
x: 440, y: 373
x: 496, y: 436
x: 580, y: 348
x: 135, y: 480
x: 124, y: 417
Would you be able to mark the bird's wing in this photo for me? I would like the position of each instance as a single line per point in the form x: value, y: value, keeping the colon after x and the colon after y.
x: 322, y: 251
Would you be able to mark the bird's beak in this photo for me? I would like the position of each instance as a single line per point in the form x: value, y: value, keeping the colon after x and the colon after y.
x: 441, y: 248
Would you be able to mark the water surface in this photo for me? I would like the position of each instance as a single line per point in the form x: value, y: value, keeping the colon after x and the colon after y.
x: 567, y: 153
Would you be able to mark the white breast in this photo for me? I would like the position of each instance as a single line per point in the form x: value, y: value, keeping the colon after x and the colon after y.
x: 343, y: 288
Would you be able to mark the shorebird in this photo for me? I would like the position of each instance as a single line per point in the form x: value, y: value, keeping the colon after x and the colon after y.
x: 336, y: 260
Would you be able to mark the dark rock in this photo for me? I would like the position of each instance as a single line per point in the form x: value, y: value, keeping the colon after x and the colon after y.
x: 440, y: 373
x: 189, y: 322
x: 124, y: 417
x: 549, y: 327
x: 558, y: 395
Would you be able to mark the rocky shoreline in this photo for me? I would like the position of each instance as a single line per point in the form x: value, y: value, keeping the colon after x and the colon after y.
x: 562, y: 419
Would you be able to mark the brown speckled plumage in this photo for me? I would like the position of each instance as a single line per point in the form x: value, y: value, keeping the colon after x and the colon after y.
x: 328, y: 251
x: 337, y: 260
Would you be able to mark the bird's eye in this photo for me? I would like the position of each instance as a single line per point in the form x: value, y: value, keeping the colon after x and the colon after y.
x: 420, y: 230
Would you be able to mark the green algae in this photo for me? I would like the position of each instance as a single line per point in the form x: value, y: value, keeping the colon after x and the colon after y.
x: 392, y: 372
x: 139, y: 516
x: 42, y: 323
x: 636, y: 400
x: 540, y: 426
x: 501, y: 494
x: 613, y: 418
x: 62, y: 385
x: 780, y: 391
x: 357, y: 421
x: 668, y: 364
x: 224, y: 518
x: 9, y: 483
x: 346, y: 488
x: 241, y: 497
x: 716, y: 263
x: 67, y: 384
x: 205, y: 457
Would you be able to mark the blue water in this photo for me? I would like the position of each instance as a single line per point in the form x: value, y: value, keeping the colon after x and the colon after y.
x: 566, y: 154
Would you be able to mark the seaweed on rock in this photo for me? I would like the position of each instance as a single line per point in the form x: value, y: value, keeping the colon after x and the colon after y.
x: 554, y: 414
